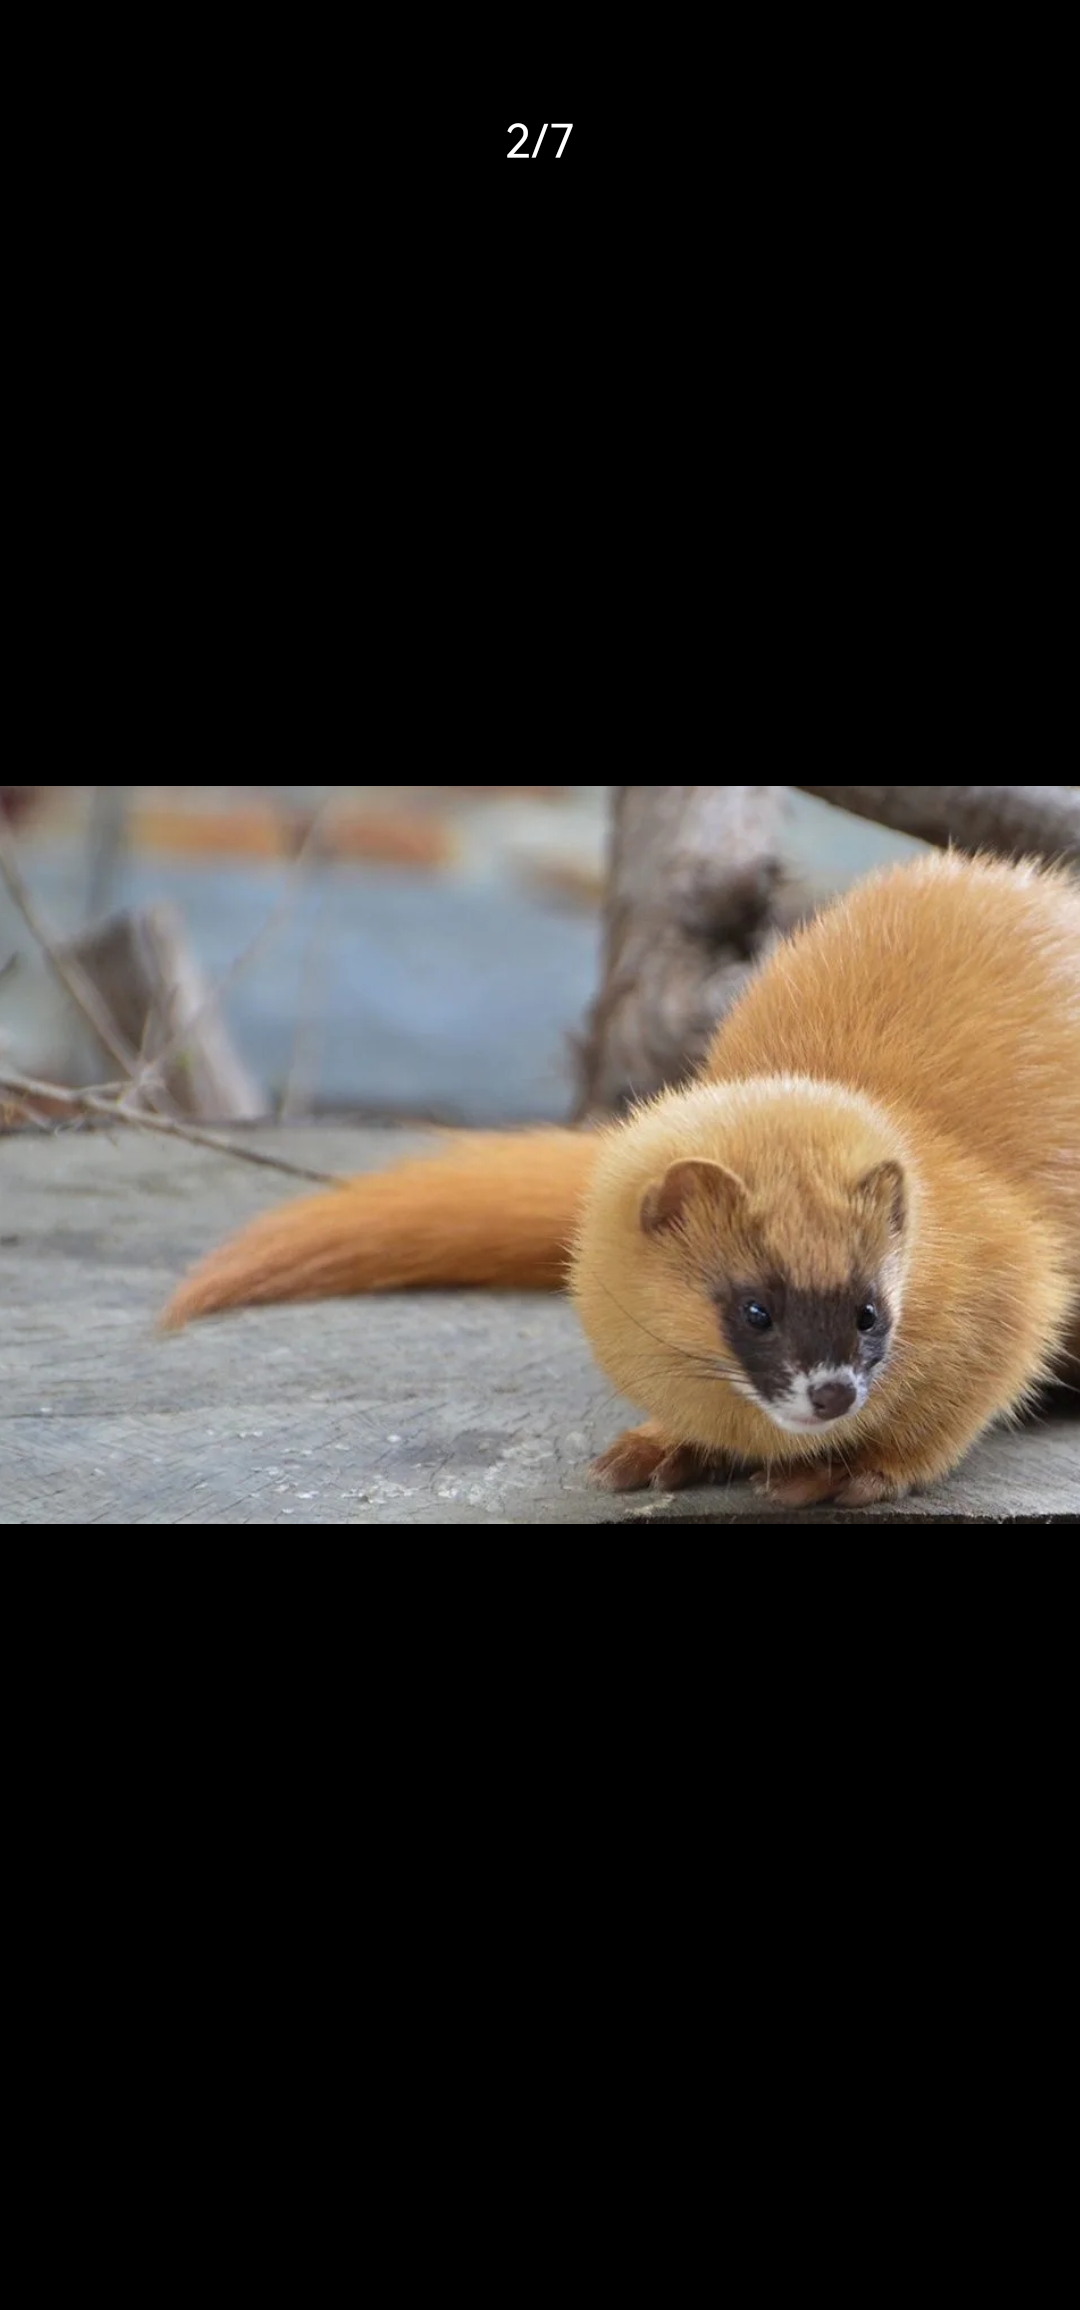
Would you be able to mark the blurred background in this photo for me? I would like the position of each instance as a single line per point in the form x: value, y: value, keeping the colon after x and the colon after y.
x: 378, y: 951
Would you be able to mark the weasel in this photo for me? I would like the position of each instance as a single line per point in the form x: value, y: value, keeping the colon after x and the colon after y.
x: 849, y: 1246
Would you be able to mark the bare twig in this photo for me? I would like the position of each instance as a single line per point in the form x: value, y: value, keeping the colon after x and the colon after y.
x: 146, y: 1076
x: 21, y: 1110
x: 74, y: 980
x: 301, y: 1080
x: 1016, y: 821
x: 87, y: 1103
x: 110, y: 812
x: 303, y: 1060
x: 176, y: 1044
x: 145, y: 970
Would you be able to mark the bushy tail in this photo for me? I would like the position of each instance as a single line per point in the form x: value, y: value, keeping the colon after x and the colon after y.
x: 489, y: 1208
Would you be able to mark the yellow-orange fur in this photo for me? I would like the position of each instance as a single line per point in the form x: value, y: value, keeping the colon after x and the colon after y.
x: 930, y: 1019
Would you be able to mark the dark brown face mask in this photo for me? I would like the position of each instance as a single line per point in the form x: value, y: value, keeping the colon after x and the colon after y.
x: 777, y: 1333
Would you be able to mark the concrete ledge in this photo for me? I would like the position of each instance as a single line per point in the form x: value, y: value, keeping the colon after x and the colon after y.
x: 421, y: 1409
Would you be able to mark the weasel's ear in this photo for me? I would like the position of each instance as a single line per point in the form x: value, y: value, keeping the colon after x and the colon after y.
x: 668, y: 1200
x: 884, y: 1197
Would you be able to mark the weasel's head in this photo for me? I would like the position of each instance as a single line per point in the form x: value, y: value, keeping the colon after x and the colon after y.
x: 747, y: 1240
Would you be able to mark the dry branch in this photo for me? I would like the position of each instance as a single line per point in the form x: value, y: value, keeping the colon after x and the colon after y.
x: 72, y: 978
x: 88, y: 1103
x: 144, y: 970
x: 143, y: 995
x: 312, y: 847
x: 1015, y: 821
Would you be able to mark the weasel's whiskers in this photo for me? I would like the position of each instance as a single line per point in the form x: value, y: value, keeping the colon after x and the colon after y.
x: 704, y: 1364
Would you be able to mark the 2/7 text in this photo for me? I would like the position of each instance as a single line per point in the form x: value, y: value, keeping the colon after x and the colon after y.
x: 516, y: 153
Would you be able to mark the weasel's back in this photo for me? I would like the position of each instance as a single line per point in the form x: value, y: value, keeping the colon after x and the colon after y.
x: 950, y: 989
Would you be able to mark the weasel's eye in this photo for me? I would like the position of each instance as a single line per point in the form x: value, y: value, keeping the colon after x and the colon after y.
x: 757, y: 1317
x: 867, y: 1317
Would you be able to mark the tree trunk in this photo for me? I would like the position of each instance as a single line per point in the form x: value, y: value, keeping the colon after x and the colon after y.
x: 691, y: 905
x: 1014, y: 821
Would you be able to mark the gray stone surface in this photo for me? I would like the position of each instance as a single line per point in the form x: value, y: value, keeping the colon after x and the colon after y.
x: 424, y: 1408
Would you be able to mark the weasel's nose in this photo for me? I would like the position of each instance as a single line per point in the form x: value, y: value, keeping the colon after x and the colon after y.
x: 832, y: 1397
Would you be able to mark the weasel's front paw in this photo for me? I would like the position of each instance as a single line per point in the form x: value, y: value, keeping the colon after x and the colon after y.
x: 850, y: 1487
x: 869, y: 1485
x: 805, y: 1488
x: 645, y: 1455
